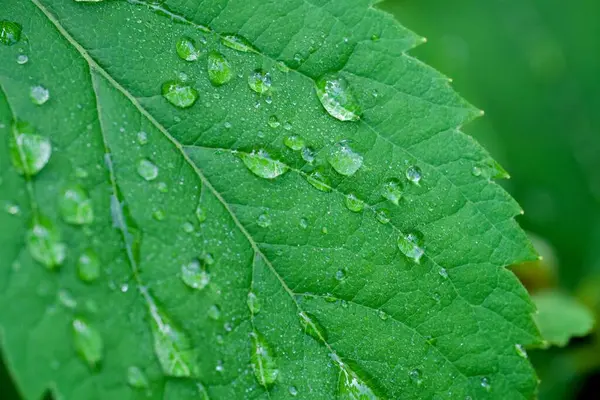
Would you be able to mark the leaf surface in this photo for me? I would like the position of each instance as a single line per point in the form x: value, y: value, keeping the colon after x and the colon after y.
x: 249, y: 199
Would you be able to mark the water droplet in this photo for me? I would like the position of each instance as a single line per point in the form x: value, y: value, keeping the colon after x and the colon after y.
x: 344, y: 160
x: 194, y: 275
x: 350, y: 386
x: 158, y: 215
x: 485, y: 383
x: 201, y: 214
x: 219, y: 69
x: 162, y: 187
x: 293, y: 391
x: 188, y: 227
x: 263, y: 361
x: 274, y: 122
x: 443, y: 273
x: 179, y: 94
x: 259, y: 81
x: 287, y: 126
x: 214, y: 312
x: 88, y: 266
x: 294, y: 142
x: 66, y: 299
x: 337, y: 98
x: 186, y: 49
x: 476, y: 171
x: 354, y: 204
x: 88, y: 342
x: 43, y: 241
x: 308, y: 155
x: 281, y: 66
x: 22, y: 59
x: 415, y: 376
x: 12, y: 209
x: 237, y: 42
x: 414, y: 174
x: 411, y: 245
x: 147, y: 169
x: 264, y: 221
x: 319, y: 181
x: 382, y: 315
x: 312, y: 326
x: 263, y: 166
x: 340, y: 275
x: 76, y: 206
x: 29, y: 152
x: 39, y: 95
x: 81, y: 173
x: 253, y: 303
x: 303, y: 223
x: 142, y: 137
x: 383, y: 216
x: 10, y: 32
x: 136, y: 378
x: 392, y: 190
x: 521, y: 350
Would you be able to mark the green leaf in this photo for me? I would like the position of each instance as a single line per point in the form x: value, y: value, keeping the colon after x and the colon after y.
x: 560, y: 317
x: 299, y: 217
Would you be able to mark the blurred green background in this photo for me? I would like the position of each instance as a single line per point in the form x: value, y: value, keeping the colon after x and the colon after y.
x: 534, y: 67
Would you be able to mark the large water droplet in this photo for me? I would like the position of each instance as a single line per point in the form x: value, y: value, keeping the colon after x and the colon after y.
x: 219, y: 69
x: 43, y: 241
x: 147, y: 169
x: 29, y: 152
x: 293, y: 391
x: 88, y: 342
x: 350, y: 386
x: 22, y: 59
x: 263, y: 361
x: 354, y: 204
x: 259, y: 81
x: 39, y: 95
x: 186, y: 49
x: 521, y: 350
x: 179, y: 94
x: 201, y: 214
x: 274, y: 122
x: 312, y: 326
x: 383, y: 216
x: 88, y: 266
x: 337, y: 98
x: 414, y: 174
x: 253, y: 303
x: 264, y: 166
x: 411, y: 245
x: 10, y: 32
x: 237, y: 42
x: 76, y: 206
x: 194, y: 275
x: 136, y: 378
x: 294, y: 142
x: 344, y: 160
x: 392, y: 190
x: 319, y: 181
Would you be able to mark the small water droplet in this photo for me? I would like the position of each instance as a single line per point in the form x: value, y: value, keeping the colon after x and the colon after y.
x: 88, y: 266
x: 521, y: 350
x: 392, y: 190
x: 142, y: 137
x: 485, y: 383
x: 354, y: 204
x: 136, y: 378
x: 214, y: 312
x: 383, y: 216
x: 81, y: 173
x: 293, y: 391
x: 22, y: 59
x: 219, y: 69
x: 201, y: 214
x: 264, y: 221
x: 411, y: 245
x: 186, y: 49
x: 303, y: 223
x: 319, y: 181
x: 253, y: 303
x: 162, y: 187
x: 308, y: 155
x: 43, y: 241
x: 88, y: 342
x: 259, y: 81
x: 219, y: 367
x: 188, y: 227
x: 337, y: 98
x: 312, y: 326
x: 340, y: 275
x: 344, y: 160
x: 476, y: 171
x: 414, y: 174
x: 294, y: 142
x: 443, y: 273
x: 158, y: 215
x: 39, y: 95
x: 415, y: 377
x: 237, y: 42
x: 194, y: 275
x: 382, y: 315
x: 10, y: 32
x: 76, y: 206
x: 147, y: 169
x: 261, y: 164
x: 66, y: 299
x: 263, y: 361
x: 29, y: 152
x: 282, y: 67
x: 179, y: 94
x: 274, y: 122
x: 12, y: 209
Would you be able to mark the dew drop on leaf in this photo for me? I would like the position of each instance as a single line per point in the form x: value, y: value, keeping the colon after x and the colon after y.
x: 303, y: 223
x: 186, y: 49
x: 319, y: 181
x: 10, y: 32
x: 262, y: 165
x: 312, y: 326
x: 344, y: 160
x: 219, y: 69
x: 158, y: 215
x: 22, y: 59
x: 162, y: 187
x: 136, y: 378
x: 43, y: 242
x: 354, y: 204
x: 237, y: 42
x: 350, y: 386
x: 214, y: 312
x: 392, y: 190
x: 179, y: 94
x: 259, y: 81
x: 414, y: 174
x: 188, y: 227
x: 308, y: 155
x: 415, y: 376
x: 485, y: 383
x: 294, y: 142
x: 66, y: 299
x: 337, y: 98
x: 39, y: 95
x: 443, y: 273
x: 411, y: 245
x: 88, y: 342
x: 263, y: 220
x: 194, y: 275
x: 147, y: 169
x: 274, y: 122
x: 263, y: 361
x: 521, y: 350
x: 76, y: 206
x: 253, y: 303
x: 282, y: 67
x: 29, y: 152
x: 12, y: 209
x: 383, y: 216
x: 88, y: 266
x: 293, y: 391
x: 142, y: 137
x: 201, y: 214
